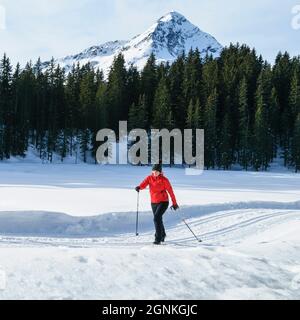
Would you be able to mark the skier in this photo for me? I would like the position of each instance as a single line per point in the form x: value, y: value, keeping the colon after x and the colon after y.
x: 159, y: 186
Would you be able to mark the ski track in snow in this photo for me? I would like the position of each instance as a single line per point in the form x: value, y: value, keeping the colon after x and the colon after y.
x: 211, y: 222
x: 250, y: 249
x: 123, y: 266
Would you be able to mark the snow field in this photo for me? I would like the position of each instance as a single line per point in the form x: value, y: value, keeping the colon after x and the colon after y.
x: 68, y: 232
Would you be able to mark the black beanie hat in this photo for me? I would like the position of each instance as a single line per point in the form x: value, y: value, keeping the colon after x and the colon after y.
x: 157, y: 167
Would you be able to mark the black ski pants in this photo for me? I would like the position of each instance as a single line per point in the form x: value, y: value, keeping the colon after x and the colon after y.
x: 158, y: 210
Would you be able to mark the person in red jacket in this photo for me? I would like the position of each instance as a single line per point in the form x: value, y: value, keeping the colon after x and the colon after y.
x: 160, y: 187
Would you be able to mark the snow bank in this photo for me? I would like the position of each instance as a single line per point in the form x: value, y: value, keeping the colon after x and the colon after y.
x: 49, y: 224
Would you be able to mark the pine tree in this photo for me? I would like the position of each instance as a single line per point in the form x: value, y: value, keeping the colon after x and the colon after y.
x: 190, y: 115
x: 289, y: 114
x: 6, y: 113
x: 294, y: 98
x: 116, y: 92
x: 296, y: 144
x: 282, y: 73
x: 149, y: 84
x: 62, y: 144
x: 37, y: 109
x: 178, y: 105
x: 194, y: 119
x: 102, y: 107
x: 244, y: 126
x: 89, y: 126
x: 138, y: 117
x: 162, y: 113
x: 87, y: 99
x: 274, y: 119
x: 230, y: 63
x: 56, y: 106
x: 29, y: 107
x: 262, y: 134
x: 73, y: 106
x: 210, y: 130
x: 225, y: 152
x: 198, y: 121
x: 209, y: 76
x: 133, y: 86
x: 20, y: 117
x: 84, y: 143
x: 192, y: 81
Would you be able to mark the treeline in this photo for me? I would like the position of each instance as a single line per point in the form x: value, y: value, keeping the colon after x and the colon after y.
x: 249, y: 109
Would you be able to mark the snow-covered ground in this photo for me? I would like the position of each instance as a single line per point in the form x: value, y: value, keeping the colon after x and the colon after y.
x: 68, y: 232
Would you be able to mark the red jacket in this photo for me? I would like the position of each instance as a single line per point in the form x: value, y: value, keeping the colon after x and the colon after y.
x: 158, y: 188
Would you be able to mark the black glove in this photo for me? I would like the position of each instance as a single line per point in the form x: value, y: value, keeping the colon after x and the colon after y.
x: 137, y: 189
x: 174, y: 207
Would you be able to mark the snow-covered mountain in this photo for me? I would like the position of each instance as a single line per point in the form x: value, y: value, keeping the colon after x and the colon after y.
x: 171, y: 35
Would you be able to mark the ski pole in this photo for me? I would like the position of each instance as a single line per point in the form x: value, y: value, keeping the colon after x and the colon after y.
x: 137, y: 214
x: 191, y: 231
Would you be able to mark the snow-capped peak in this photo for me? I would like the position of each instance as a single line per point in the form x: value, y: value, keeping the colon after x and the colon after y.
x: 172, y: 15
x: 173, y: 34
x: 170, y: 36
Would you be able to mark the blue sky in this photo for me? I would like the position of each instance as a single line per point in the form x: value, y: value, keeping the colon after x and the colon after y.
x: 56, y: 28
